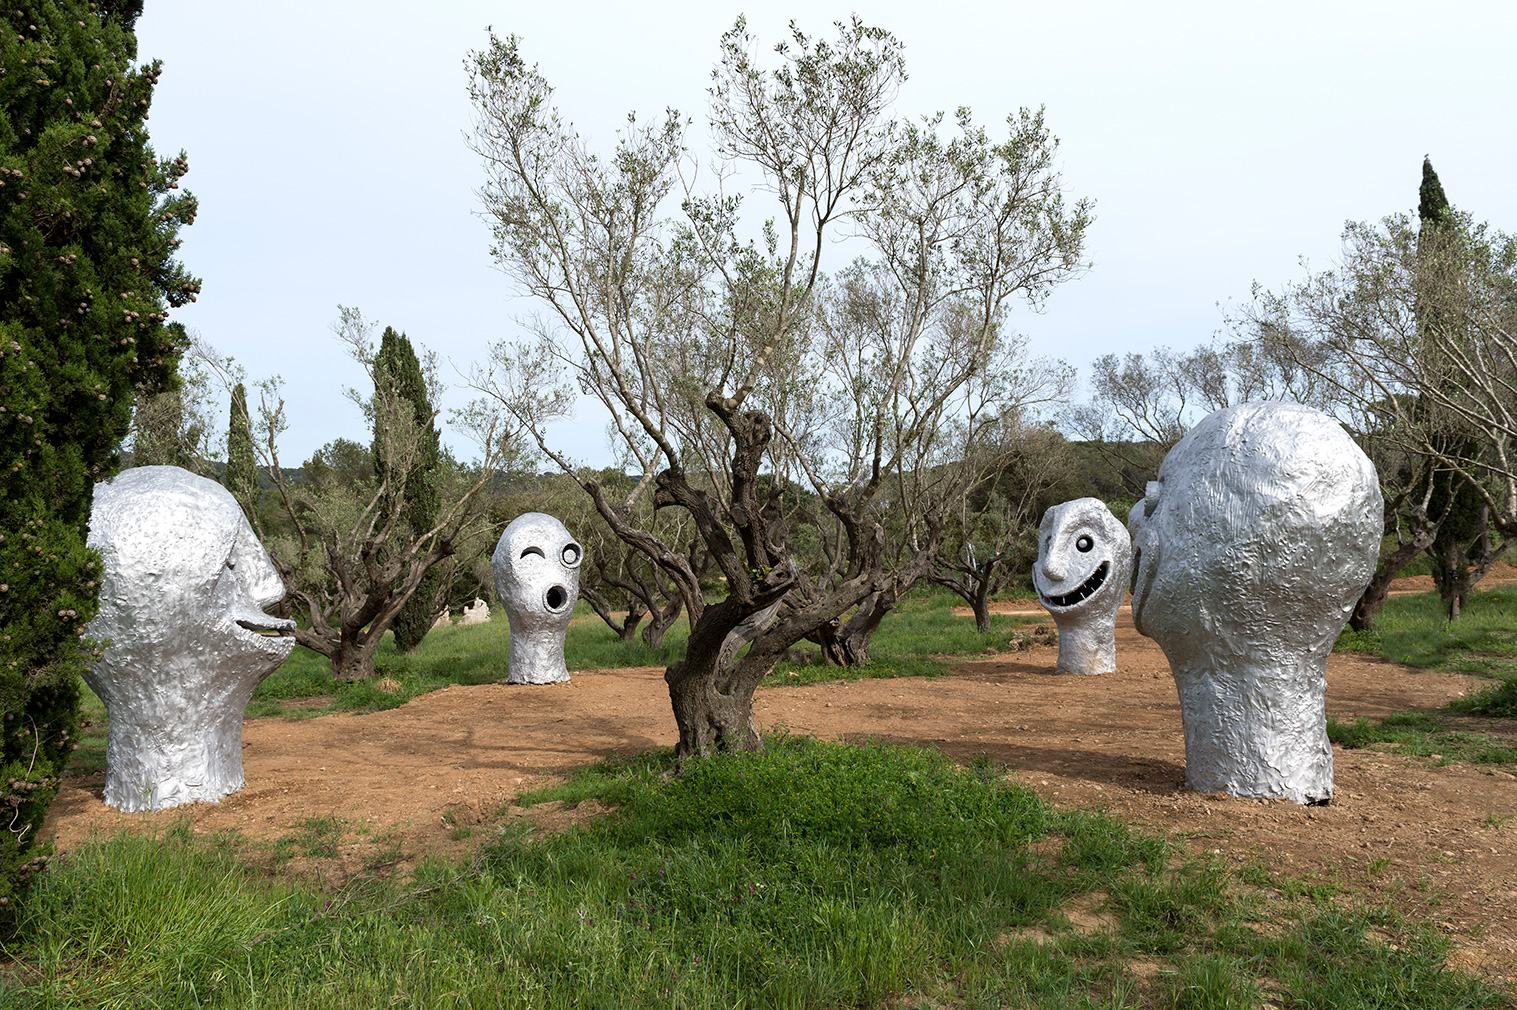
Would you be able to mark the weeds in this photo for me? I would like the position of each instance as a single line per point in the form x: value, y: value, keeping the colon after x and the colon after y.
x: 810, y: 875
x: 1422, y: 734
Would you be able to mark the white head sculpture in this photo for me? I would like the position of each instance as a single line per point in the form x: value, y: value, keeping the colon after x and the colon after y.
x: 182, y: 604
x: 536, y: 566
x: 1249, y: 553
x: 1084, y: 557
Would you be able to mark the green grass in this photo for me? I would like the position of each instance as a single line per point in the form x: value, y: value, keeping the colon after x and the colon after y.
x: 1412, y: 629
x: 919, y: 639
x: 1422, y: 734
x: 813, y: 875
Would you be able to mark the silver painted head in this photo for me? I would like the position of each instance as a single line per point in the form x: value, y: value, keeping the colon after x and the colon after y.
x: 182, y: 603
x: 1251, y: 548
x: 1081, y: 575
x: 536, y: 567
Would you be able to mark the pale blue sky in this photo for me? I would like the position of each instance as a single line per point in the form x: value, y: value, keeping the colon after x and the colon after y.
x: 325, y: 143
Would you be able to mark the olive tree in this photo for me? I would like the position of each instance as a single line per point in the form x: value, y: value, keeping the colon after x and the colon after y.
x: 344, y: 540
x: 704, y: 346
x: 1416, y: 331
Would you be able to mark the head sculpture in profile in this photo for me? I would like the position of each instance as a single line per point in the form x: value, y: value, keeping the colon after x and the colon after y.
x: 1081, y: 576
x: 1251, y: 548
x: 182, y: 604
x: 536, y: 566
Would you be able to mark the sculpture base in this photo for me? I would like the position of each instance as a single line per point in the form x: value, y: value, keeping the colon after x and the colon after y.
x: 1260, y: 736
x: 1087, y: 644
x: 537, y: 659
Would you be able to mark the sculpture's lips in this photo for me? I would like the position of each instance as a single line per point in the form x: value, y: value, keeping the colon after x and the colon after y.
x: 1083, y: 591
x: 274, y: 629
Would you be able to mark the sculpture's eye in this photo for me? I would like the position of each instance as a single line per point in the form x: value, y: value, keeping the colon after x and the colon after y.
x: 535, y: 550
x: 230, y: 563
x: 1084, y: 544
x: 571, y: 555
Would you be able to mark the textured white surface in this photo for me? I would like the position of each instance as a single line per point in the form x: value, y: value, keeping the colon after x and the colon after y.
x: 536, y: 566
x: 1081, y: 575
x: 182, y: 602
x: 1250, y: 551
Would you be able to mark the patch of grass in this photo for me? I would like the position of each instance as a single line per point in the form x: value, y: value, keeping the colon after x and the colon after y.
x: 94, y: 730
x: 455, y: 655
x: 920, y: 638
x: 1413, y: 629
x: 1500, y: 701
x: 314, y: 838
x: 1334, y: 959
x: 1208, y: 982
x: 1422, y: 734
x: 810, y: 875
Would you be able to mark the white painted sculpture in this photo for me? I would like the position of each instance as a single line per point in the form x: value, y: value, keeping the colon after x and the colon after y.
x: 477, y: 612
x: 1081, y: 575
x: 1250, y: 551
x: 536, y: 566
x: 182, y: 603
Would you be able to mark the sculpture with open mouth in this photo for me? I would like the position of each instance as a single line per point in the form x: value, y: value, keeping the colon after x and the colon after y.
x: 182, y: 605
x: 1081, y: 577
x: 536, y: 566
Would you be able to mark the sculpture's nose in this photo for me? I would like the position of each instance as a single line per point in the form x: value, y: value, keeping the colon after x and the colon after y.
x: 556, y: 598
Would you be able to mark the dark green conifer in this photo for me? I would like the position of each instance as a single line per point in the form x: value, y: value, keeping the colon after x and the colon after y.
x: 1432, y: 205
x: 241, y: 474
x: 1452, y: 498
x: 89, y: 223
x: 398, y: 372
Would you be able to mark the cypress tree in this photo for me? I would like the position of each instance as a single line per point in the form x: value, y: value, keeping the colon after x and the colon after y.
x: 1432, y: 205
x: 1452, y: 497
x: 397, y: 372
x: 88, y: 228
x: 241, y: 474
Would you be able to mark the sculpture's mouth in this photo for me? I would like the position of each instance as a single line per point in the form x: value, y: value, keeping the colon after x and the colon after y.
x: 1083, y: 591
x: 273, y: 628
x: 556, y: 599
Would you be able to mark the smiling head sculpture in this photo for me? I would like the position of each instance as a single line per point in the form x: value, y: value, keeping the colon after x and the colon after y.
x: 1249, y: 553
x: 182, y: 603
x: 536, y: 566
x: 1081, y: 574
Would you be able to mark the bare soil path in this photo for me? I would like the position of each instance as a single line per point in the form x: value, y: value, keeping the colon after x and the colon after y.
x: 409, y: 781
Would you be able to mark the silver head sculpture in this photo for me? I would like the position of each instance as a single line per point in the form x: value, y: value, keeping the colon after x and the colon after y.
x: 536, y: 566
x: 1081, y: 575
x: 182, y: 604
x: 1249, y: 553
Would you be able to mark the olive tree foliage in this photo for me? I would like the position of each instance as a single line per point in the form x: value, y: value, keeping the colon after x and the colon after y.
x: 910, y: 397
x: 630, y: 594
x: 341, y: 540
x: 706, y: 350
x: 1416, y: 330
x: 1013, y: 475
x: 1141, y: 404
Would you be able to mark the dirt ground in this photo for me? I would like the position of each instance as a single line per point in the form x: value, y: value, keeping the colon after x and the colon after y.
x: 434, y: 775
